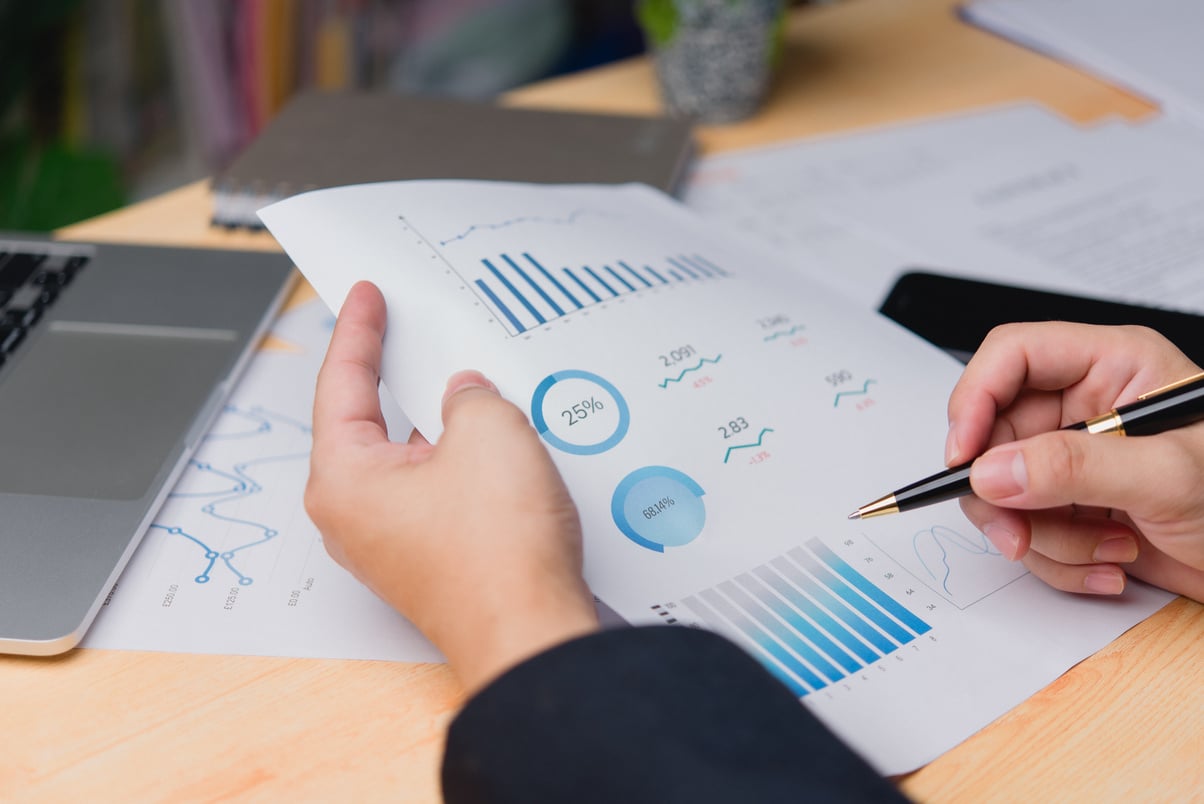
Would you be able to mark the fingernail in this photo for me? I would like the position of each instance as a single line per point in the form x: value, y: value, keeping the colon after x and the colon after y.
x: 953, y: 450
x: 1000, y: 473
x: 465, y: 380
x: 1104, y: 582
x: 1006, y: 542
x: 1117, y: 550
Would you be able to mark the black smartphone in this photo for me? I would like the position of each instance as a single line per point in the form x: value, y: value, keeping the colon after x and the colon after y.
x: 956, y: 313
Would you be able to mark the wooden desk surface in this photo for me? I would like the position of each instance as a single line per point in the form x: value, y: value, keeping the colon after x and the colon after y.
x: 1127, y: 723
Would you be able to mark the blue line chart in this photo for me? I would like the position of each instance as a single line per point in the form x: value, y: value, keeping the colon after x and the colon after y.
x: 233, y: 418
x: 665, y: 382
x: 786, y: 333
x: 569, y: 219
x: 862, y: 391
x: 236, y: 484
x: 757, y: 443
x: 944, y: 539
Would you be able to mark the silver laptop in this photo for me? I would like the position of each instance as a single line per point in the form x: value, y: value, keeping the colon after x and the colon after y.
x: 115, y: 360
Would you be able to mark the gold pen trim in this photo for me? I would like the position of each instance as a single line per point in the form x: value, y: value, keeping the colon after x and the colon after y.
x: 880, y: 507
x: 1171, y: 387
x: 1107, y: 424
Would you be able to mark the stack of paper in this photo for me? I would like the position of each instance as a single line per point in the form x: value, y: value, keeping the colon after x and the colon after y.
x: 715, y: 416
x: 1013, y: 194
x: 1152, y: 47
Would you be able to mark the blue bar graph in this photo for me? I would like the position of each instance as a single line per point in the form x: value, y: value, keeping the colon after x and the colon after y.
x: 795, y: 607
x: 872, y: 592
x: 543, y: 294
x: 632, y: 271
x: 789, y: 636
x: 681, y: 267
x: 500, y: 306
x: 663, y: 281
x: 583, y: 286
x: 525, y: 292
x: 621, y: 280
x: 820, y: 595
x: 593, y: 274
x: 809, y: 616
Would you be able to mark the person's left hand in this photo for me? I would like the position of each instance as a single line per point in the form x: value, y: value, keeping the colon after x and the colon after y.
x: 474, y: 539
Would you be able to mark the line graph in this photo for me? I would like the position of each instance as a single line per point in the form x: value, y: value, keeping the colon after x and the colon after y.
x: 701, y: 362
x: 785, y: 333
x: 757, y: 443
x: 226, y: 492
x: 566, y: 220
x: 862, y: 391
x: 960, y: 564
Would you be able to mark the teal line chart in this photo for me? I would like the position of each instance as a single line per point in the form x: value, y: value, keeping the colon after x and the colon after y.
x: 757, y: 443
x: 702, y: 361
x: 235, y: 484
x: 567, y: 220
x: 785, y: 333
x: 862, y: 391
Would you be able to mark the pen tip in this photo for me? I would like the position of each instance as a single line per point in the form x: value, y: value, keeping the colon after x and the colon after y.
x: 855, y: 515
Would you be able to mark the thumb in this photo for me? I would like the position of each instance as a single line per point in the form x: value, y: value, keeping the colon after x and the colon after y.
x: 477, y: 417
x: 1152, y: 477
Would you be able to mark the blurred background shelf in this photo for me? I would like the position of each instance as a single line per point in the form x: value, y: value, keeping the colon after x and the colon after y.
x: 105, y: 102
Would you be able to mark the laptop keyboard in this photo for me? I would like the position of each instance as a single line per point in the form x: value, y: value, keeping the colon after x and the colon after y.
x: 30, y: 283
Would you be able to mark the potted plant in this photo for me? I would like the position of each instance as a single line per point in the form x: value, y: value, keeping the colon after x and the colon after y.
x: 714, y: 58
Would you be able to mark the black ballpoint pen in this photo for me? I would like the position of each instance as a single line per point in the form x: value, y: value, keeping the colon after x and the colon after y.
x: 1176, y: 405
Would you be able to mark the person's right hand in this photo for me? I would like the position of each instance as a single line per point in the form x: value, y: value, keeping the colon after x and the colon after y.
x: 1081, y: 511
x: 474, y: 539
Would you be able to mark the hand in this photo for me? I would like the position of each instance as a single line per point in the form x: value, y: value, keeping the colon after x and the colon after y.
x: 1081, y: 511
x: 474, y: 539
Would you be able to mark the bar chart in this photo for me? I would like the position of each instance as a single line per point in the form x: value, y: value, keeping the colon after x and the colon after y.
x: 810, y: 617
x: 526, y: 292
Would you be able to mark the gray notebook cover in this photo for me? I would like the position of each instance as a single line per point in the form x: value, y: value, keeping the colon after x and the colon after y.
x: 327, y: 139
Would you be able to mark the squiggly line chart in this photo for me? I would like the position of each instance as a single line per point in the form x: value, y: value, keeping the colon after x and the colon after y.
x: 665, y: 382
x: 864, y: 389
x: 757, y: 443
x: 941, y: 536
x: 258, y: 425
x: 784, y: 333
x: 477, y: 227
x: 241, y: 483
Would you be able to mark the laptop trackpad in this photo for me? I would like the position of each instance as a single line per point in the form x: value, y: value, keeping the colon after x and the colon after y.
x: 95, y: 413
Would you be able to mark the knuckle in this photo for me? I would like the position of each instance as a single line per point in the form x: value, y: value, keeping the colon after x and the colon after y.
x: 1004, y: 331
x: 1061, y: 461
x: 1153, y: 339
x: 1180, y: 470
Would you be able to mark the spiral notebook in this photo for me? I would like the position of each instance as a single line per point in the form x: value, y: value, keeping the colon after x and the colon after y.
x: 328, y: 139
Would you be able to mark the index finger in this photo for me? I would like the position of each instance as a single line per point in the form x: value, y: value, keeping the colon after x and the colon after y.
x: 346, y: 398
x: 1089, y: 368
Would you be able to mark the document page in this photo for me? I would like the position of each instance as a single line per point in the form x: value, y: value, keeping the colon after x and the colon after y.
x: 1151, y: 47
x: 803, y: 198
x: 1117, y: 212
x: 715, y: 416
x: 231, y: 563
x: 1010, y: 194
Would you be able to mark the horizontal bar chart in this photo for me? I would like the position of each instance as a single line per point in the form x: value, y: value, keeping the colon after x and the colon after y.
x: 809, y: 616
x: 524, y: 292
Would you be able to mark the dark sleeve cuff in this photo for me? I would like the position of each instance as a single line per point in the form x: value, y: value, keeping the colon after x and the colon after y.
x: 665, y: 714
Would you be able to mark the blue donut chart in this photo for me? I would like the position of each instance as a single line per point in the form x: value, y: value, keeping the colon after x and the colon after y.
x: 548, y: 434
x: 658, y: 507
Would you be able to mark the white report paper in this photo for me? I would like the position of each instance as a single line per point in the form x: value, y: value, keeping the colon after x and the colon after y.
x: 231, y: 563
x: 716, y: 416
